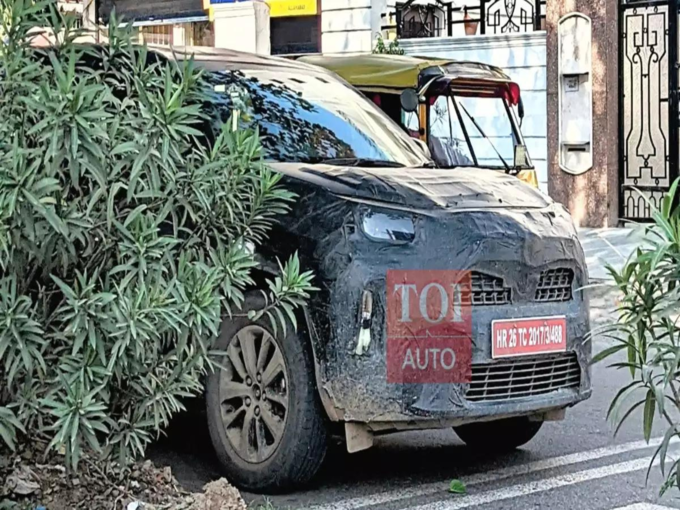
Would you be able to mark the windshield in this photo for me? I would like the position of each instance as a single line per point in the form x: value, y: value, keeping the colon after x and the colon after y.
x: 311, y: 118
x: 471, y: 131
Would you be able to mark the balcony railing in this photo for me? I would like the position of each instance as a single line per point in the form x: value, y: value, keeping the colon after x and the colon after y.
x: 486, y: 17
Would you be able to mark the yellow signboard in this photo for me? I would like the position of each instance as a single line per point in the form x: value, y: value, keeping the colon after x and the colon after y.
x: 277, y: 8
x: 281, y: 8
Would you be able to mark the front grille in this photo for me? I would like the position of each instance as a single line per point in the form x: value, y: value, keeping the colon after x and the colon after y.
x: 555, y: 285
x: 488, y: 290
x: 523, y: 377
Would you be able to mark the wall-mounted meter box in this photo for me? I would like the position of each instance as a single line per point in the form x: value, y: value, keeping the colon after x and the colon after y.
x: 575, y: 93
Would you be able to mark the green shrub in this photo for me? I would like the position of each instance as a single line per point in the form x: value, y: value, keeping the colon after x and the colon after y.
x: 646, y: 336
x: 125, y: 237
x: 392, y: 48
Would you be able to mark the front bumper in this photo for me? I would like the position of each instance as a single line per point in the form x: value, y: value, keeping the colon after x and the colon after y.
x: 516, y: 246
x: 357, y: 388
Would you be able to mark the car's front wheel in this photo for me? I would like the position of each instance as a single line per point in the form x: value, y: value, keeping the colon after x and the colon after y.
x: 499, y: 435
x: 265, y: 419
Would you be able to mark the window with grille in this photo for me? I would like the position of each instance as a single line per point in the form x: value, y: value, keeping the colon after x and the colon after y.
x: 156, y: 34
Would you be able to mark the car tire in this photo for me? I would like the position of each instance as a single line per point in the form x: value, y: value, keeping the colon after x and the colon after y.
x: 499, y: 435
x: 285, y: 440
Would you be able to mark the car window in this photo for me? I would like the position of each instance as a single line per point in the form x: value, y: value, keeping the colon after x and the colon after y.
x: 303, y: 117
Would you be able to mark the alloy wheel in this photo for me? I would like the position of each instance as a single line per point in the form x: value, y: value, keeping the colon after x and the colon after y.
x: 253, y: 393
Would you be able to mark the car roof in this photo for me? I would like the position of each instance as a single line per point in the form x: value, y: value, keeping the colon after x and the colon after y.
x: 218, y: 59
x: 380, y: 71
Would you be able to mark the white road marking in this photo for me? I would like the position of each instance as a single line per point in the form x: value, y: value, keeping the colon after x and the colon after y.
x: 428, y: 489
x: 644, y: 506
x: 546, y: 484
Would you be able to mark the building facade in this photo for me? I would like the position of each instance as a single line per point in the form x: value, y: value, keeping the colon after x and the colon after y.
x: 279, y: 27
x: 593, y: 196
x: 599, y: 77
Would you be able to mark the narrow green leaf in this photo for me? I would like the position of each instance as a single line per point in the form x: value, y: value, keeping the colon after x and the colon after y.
x: 110, y: 211
x: 648, y: 420
x: 7, y: 436
x: 457, y: 487
x: 606, y: 353
x: 47, y: 213
x: 632, y: 358
x: 627, y: 414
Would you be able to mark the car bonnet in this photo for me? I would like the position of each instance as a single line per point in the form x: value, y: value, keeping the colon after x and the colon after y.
x: 420, y: 188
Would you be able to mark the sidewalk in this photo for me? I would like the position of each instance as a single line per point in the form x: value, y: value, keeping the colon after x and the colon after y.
x: 608, y: 245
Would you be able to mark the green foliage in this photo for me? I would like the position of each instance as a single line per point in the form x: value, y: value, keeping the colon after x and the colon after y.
x: 9, y: 425
x: 126, y: 236
x: 457, y: 487
x: 392, y: 48
x: 646, y: 337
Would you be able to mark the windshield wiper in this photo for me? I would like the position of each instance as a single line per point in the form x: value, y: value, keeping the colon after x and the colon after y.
x: 365, y: 162
x: 481, y: 132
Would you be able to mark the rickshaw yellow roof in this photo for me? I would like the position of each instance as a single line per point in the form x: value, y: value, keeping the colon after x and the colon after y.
x: 399, y: 71
x: 396, y: 71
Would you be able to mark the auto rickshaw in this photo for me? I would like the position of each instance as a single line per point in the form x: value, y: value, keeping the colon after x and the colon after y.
x: 463, y: 111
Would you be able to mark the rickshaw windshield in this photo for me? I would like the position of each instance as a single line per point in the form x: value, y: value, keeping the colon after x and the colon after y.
x: 470, y: 130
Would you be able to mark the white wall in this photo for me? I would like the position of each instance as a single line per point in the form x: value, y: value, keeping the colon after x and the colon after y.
x: 346, y: 26
x: 243, y: 26
x: 523, y: 58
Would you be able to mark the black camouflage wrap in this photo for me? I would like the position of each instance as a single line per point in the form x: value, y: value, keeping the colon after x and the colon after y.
x: 466, y: 219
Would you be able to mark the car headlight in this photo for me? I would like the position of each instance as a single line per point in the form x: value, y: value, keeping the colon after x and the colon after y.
x: 385, y: 226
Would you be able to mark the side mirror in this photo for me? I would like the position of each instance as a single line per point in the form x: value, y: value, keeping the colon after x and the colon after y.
x: 520, y: 111
x: 423, y: 146
x: 521, y: 159
x: 409, y: 100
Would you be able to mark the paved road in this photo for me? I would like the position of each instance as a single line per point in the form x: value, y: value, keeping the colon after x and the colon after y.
x: 574, y: 464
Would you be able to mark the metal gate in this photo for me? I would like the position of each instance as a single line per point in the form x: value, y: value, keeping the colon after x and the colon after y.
x: 648, y: 109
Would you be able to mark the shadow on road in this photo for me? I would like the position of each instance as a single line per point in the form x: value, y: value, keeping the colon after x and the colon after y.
x: 400, y: 459
x: 403, y: 459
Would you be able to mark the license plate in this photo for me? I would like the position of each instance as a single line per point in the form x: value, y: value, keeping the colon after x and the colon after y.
x: 521, y: 337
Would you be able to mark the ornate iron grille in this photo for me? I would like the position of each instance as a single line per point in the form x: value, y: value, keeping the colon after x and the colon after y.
x: 422, y: 21
x: 488, y: 290
x: 508, y: 16
x: 554, y: 285
x: 523, y: 377
x: 418, y: 21
x: 491, y: 17
x: 648, y: 110
x: 640, y: 204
